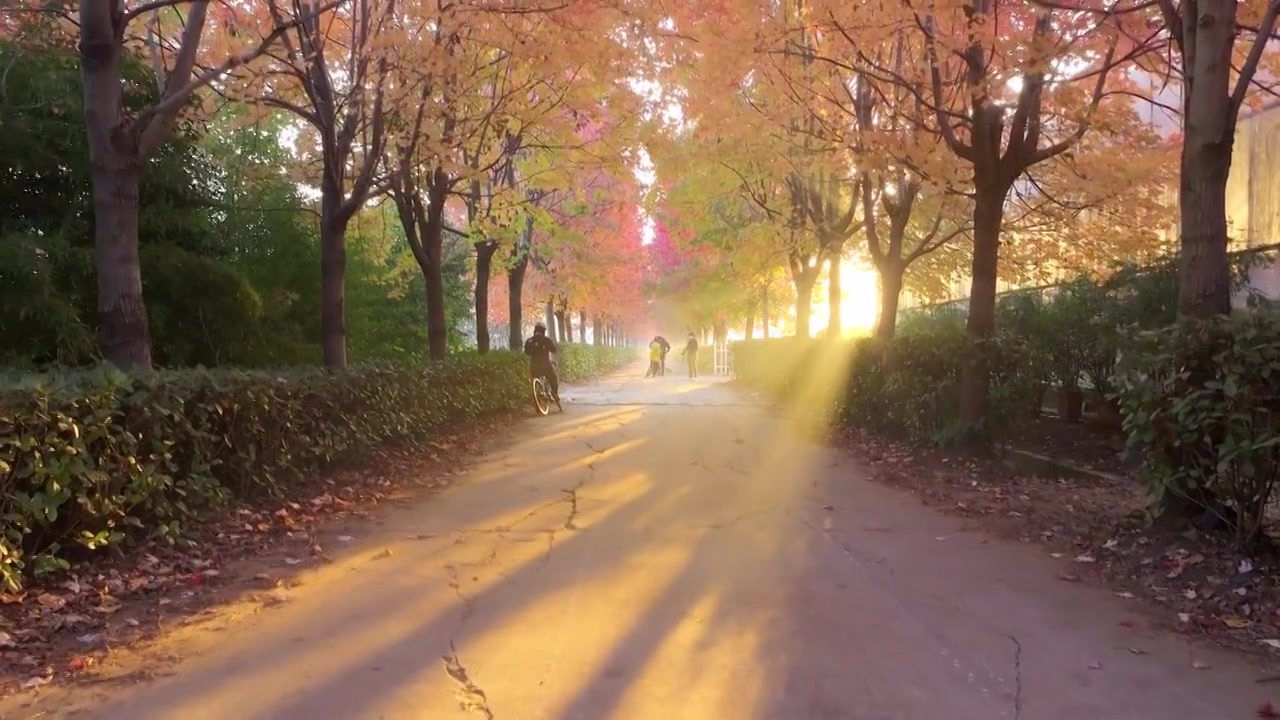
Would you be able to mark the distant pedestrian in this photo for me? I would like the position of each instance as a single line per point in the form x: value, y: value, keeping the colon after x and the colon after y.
x: 691, y: 354
x: 666, y: 348
x: 655, y: 358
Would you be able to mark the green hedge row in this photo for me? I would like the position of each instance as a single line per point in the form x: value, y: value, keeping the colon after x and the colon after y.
x: 906, y: 388
x: 578, y: 362
x: 1200, y: 400
x: 97, y: 458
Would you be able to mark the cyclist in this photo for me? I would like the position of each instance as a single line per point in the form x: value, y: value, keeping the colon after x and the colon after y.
x: 540, y: 348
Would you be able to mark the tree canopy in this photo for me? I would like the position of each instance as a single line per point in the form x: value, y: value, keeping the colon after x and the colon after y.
x: 358, y: 179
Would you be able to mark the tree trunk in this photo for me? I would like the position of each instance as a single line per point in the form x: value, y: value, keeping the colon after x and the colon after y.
x: 582, y: 326
x: 562, y: 328
x: 595, y: 331
x: 804, y: 303
x: 123, y: 327
x: 484, y: 266
x: 333, y: 275
x: 433, y: 270
x: 889, y: 275
x: 975, y: 380
x: 1204, y: 271
x: 751, y: 320
x: 834, y: 295
x: 115, y: 173
x: 764, y: 313
x: 515, y: 308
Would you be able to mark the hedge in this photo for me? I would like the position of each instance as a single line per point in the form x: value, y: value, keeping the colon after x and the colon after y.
x: 906, y: 388
x: 98, y: 458
x: 579, y: 362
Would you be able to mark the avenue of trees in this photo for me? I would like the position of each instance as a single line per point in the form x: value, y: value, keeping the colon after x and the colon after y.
x: 276, y: 182
x: 259, y: 181
x: 951, y: 141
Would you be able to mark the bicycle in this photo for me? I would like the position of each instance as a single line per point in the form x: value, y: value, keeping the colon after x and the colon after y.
x: 542, y: 397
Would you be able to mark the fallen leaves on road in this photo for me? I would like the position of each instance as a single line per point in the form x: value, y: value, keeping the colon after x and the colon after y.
x: 1098, y: 525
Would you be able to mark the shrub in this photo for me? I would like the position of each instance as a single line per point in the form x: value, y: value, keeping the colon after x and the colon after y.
x: 909, y: 387
x: 579, y: 362
x: 778, y: 366
x: 96, y: 458
x: 906, y: 387
x: 1201, y: 402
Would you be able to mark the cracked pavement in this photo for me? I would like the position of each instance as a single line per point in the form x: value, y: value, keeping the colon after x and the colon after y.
x: 667, y: 550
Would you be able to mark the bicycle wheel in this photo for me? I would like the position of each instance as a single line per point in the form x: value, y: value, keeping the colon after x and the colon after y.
x: 541, y: 396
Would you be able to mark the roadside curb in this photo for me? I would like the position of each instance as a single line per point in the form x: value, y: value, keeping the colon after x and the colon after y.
x: 1056, y: 466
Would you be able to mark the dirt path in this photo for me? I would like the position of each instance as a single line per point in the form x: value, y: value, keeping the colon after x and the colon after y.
x: 665, y: 550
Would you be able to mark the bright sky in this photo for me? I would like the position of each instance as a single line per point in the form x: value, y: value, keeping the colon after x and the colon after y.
x: 645, y: 172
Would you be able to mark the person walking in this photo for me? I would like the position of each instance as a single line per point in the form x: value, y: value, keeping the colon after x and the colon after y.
x: 691, y: 354
x: 655, y: 358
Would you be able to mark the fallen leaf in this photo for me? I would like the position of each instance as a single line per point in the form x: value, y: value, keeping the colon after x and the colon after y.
x: 1189, y: 594
x: 1069, y: 577
x: 1246, y: 566
x: 1200, y: 665
x: 53, y: 602
x: 132, y: 623
x: 1086, y: 559
x: 1110, y: 544
x: 1095, y: 665
x: 1272, y: 642
x: 274, y: 600
x: 7, y: 641
x: 384, y: 554
x: 36, y: 681
x: 292, y: 561
x: 1186, y: 618
x: 826, y: 523
x: 1194, y: 559
x: 1235, y: 622
x: 1138, y: 651
x: 1125, y: 595
x: 345, y: 538
x: 1055, y: 555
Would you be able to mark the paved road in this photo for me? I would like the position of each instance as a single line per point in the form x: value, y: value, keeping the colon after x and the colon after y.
x: 666, y: 550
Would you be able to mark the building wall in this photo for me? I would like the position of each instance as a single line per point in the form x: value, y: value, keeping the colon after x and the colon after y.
x: 1253, y: 197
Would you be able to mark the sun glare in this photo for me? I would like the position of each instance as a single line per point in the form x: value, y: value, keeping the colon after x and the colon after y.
x: 859, y: 301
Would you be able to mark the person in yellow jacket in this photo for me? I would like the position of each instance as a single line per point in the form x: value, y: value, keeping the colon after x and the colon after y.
x: 655, y: 358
